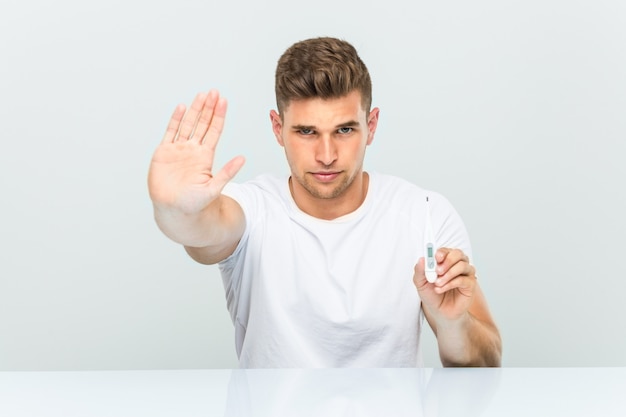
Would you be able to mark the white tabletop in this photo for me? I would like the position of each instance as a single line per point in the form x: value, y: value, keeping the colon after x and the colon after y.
x: 325, y: 392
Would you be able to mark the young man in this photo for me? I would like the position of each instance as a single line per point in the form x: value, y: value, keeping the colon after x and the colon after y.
x: 321, y: 267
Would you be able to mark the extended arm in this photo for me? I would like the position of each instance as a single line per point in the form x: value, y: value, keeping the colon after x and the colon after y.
x: 457, y: 311
x: 188, y: 205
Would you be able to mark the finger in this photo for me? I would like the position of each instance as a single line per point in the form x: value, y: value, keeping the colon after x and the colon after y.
x: 441, y: 254
x: 174, y: 124
x: 419, y: 276
x: 446, y: 258
x: 459, y: 269
x: 190, y: 119
x: 227, y: 173
x: 216, y: 125
x: 206, y: 115
x: 464, y: 284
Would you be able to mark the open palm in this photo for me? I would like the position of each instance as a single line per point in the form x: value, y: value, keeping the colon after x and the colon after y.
x: 181, y: 171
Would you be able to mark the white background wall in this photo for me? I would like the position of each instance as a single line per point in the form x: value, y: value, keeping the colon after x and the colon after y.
x: 516, y: 111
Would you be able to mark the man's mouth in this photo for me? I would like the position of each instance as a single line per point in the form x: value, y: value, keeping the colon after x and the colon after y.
x: 325, y: 176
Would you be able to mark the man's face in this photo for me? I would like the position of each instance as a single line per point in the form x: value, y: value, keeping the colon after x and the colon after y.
x: 325, y: 142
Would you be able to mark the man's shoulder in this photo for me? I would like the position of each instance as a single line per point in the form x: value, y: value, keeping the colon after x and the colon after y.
x: 265, y: 184
x: 393, y: 180
x: 265, y: 181
x: 391, y: 186
x: 393, y: 190
x: 260, y: 194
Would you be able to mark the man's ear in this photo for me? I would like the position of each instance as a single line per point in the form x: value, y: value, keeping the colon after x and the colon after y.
x: 277, y: 126
x: 372, y: 123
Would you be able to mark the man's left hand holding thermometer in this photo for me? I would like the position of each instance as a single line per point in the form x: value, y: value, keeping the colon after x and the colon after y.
x: 456, y: 309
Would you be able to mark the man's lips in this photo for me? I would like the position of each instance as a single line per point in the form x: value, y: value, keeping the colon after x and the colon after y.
x: 325, y: 176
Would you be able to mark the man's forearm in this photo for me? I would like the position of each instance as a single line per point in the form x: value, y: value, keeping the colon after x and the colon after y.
x: 469, y: 342
x: 186, y: 229
x: 219, y: 224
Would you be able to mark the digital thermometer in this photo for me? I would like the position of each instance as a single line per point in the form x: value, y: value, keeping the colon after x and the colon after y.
x: 430, y: 263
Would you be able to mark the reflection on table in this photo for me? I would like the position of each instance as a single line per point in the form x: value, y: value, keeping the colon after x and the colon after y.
x: 361, y: 392
x: 317, y: 392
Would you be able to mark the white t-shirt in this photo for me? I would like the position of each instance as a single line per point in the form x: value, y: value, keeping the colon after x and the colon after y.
x: 305, y: 292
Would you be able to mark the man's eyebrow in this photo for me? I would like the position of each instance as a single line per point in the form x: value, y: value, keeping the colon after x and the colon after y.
x: 350, y: 123
x: 303, y: 127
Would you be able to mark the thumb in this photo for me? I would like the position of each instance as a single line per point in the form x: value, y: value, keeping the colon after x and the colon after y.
x: 419, y: 276
x: 228, y: 172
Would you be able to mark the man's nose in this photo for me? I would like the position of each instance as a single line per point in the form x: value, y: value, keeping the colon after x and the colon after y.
x: 326, y: 152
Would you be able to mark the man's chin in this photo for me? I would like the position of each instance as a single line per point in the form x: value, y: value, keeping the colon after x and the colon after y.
x: 327, y: 190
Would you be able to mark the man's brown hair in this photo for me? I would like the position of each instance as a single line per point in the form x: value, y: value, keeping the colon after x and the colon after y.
x: 321, y: 67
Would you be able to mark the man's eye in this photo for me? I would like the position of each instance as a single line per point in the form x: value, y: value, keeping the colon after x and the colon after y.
x: 306, y: 131
x: 345, y: 130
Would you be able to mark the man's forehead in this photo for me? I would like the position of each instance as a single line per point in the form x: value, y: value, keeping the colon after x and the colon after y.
x: 316, y: 111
